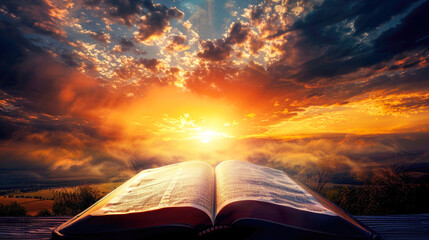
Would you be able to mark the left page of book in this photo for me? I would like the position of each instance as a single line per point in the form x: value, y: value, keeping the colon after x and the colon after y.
x: 187, y: 184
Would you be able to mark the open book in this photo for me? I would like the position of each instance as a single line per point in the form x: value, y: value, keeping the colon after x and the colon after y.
x: 236, y: 200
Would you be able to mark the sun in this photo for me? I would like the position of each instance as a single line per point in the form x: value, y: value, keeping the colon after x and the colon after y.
x: 209, y: 135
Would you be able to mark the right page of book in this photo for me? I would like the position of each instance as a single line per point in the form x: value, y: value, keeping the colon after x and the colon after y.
x: 183, y: 184
x: 242, y: 181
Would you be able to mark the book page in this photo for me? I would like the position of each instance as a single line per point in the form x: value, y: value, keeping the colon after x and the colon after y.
x: 183, y: 184
x: 239, y: 181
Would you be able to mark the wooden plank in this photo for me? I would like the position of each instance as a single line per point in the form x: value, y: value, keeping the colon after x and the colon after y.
x: 29, y: 227
x: 399, y: 227
x: 395, y: 227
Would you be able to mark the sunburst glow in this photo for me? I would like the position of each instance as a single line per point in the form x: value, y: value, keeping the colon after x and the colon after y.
x: 208, y: 136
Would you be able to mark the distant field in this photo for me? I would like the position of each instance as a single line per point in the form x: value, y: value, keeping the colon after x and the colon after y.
x: 104, y: 189
x: 30, y: 200
x: 32, y: 205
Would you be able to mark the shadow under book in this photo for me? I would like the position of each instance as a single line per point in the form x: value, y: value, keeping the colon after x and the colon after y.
x: 191, y: 200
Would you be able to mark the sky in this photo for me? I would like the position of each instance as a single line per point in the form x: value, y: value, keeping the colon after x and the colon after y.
x: 96, y: 90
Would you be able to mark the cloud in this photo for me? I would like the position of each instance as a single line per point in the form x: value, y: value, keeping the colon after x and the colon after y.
x: 238, y: 33
x: 126, y: 10
x: 407, y: 35
x: 48, y: 131
x: 151, y: 64
x: 41, y: 17
x: 256, y: 44
x: 255, y: 14
x: 62, y: 156
x: 151, y: 24
x: 124, y: 45
x: 334, y: 43
x: 101, y: 37
x: 177, y: 44
x: 221, y: 49
x: 156, y: 22
x: 216, y: 50
x: 367, y: 15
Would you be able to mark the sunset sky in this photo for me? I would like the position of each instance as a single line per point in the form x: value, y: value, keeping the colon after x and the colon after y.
x: 96, y: 90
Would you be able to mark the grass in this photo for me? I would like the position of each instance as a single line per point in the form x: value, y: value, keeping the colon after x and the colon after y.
x: 32, y: 205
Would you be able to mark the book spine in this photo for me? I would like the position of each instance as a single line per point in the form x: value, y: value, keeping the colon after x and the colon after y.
x: 213, y: 229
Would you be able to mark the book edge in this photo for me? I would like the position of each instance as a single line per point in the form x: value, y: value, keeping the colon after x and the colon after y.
x: 336, y: 209
x: 91, y: 208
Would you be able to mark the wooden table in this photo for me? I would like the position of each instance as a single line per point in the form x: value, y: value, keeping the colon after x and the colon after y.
x: 394, y: 227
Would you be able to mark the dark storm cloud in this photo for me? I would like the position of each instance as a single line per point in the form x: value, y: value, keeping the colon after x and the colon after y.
x: 221, y: 49
x: 412, y: 33
x: 367, y: 15
x: 14, y: 48
x: 156, y: 22
x: 238, y: 33
x: 33, y: 15
x: 7, y: 128
x: 215, y: 50
x: 70, y: 59
x: 409, y: 81
x: 333, y: 47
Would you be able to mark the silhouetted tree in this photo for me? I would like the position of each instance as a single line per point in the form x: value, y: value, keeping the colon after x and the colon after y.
x: 12, y: 209
x: 325, y: 168
x: 68, y: 203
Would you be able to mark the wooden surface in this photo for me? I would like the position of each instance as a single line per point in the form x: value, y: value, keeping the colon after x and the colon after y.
x: 29, y: 227
x: 395, y: 227
x: 406, y: 227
